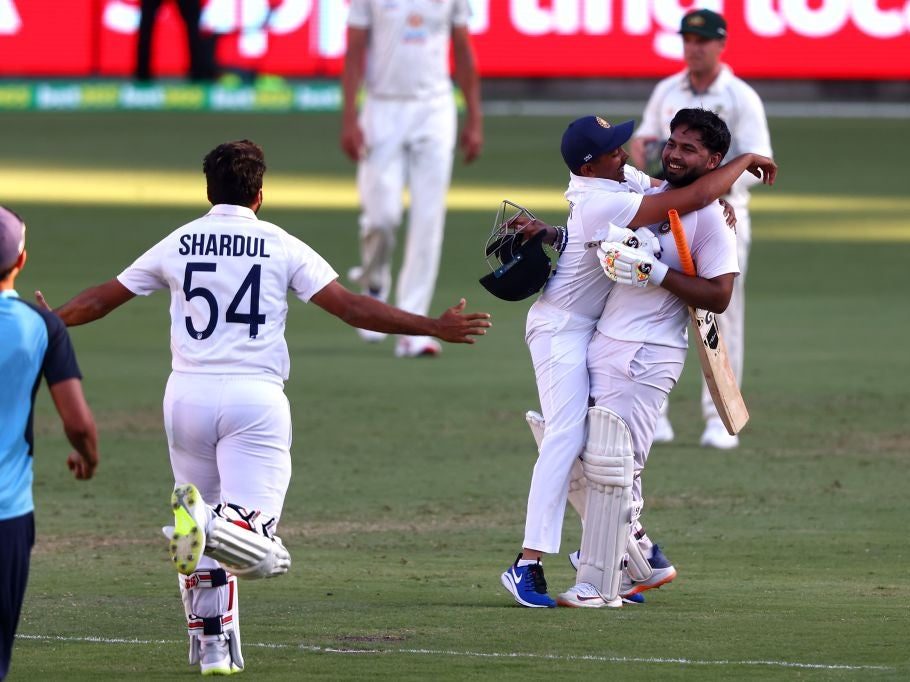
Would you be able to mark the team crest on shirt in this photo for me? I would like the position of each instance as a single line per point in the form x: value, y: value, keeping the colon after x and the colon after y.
x: 571, y: 206
x: 664, y: 227
x: 415, y: 30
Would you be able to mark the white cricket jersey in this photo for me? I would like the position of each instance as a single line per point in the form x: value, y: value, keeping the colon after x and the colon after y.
x: 229, y: 274
x: 579, y: 284
x: 408, y: 47
x: 729, y: 97
x: 654, y: 315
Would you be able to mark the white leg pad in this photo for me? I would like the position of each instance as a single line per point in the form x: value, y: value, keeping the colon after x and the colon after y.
x: 639, y: 548
x: 537, y: 425
x: 225, y: 626
x: 246, y: 553
x: 608, y: 466
x: 578, y: 489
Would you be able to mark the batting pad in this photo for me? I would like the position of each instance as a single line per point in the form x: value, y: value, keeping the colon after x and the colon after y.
x: 246, y: 553
x: 608, y: 467
x: 578, y: 492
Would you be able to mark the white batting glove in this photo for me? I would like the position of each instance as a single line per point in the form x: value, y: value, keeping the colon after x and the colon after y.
x: 633, y: 266
x: 642, y: 238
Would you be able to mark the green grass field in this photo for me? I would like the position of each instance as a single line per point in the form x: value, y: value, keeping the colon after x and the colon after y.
x: 411, y: 477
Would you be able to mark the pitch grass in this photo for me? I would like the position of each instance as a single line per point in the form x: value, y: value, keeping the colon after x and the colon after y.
x: 410, y: 479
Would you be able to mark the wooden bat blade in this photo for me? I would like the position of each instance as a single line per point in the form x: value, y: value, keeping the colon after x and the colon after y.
x: 715, y: 365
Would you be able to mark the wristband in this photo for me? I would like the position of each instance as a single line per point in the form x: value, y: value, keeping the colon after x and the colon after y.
x: 658, y: 272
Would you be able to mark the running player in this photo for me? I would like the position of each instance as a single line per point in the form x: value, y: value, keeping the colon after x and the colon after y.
x: 227, y: 419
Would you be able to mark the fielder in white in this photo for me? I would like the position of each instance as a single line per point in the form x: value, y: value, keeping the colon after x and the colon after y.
x: 710, y: 84
x: 604, y: 197
x: 405, y: 134
x: 227, y: 419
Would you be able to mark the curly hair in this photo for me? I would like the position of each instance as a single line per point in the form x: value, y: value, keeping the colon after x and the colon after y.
x: 233, y: 172
x: 714, y: 132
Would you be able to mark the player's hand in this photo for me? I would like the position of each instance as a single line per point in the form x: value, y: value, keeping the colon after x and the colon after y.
x: 82, y: 469
x: 352, y: 141
x: 729, y: 214
x: 624, y: 264
x: 471, y: 141
x: 642, y: 238
x: 764, y: 168
x: 41, y: 301
x: 457, y: 326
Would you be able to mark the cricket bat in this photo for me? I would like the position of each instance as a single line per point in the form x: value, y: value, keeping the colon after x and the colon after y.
x: 712, y: 353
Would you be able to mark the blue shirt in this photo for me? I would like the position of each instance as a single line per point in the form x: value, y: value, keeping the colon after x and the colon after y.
x: 33, y: 343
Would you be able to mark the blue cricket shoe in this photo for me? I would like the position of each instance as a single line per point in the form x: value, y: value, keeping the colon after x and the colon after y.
x: 527, y: 585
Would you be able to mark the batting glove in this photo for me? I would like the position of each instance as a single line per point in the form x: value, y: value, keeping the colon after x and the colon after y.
x: 627, y: 265
x: 642, y: 238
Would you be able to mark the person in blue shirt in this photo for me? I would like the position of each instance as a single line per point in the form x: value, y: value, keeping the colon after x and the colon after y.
x: 35, y: 345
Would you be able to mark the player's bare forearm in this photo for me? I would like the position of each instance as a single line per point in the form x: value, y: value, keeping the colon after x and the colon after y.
x: 707, y: 294
x: 78, y: 425
x: 351, y: 77
x: 468, y: 80
x: 93, y: 303
x: 365, y: 312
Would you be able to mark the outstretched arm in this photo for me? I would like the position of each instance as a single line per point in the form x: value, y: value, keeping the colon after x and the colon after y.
x: 78, y: 425
x: 707, y: 188
x: 91, y: 304
x: 365, y: 312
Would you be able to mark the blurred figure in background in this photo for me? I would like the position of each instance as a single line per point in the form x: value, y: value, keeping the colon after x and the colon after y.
x: 199, y: 49
x: 406, y: 133
x: 708, y: 83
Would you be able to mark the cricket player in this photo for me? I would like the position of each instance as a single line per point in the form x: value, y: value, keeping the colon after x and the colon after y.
x: 635, y: 358
x: 405, y: 133
x: 605, y: 196
x: 227, y: 419
x: 708, y: 83
x: 35, y: 345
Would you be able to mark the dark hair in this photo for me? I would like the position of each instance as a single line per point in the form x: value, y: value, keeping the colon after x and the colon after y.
x: 714, y: 132
x: 233, y: 172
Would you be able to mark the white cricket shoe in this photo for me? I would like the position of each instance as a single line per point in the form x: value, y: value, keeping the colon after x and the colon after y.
x: 215, y: 657
x: 716, y: 436
x: 417, y: 347
x: 191, y: 519
x: 663, y: 432
x: 585, y: 595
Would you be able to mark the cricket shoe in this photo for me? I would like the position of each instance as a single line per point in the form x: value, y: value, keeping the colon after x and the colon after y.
x: 716, y: 436
x: 215, y: 657
x: 663, y: 431
x: 575, y: 559
x: 527, y: 585
x: 662, y: 572
x: 191, y: 519
x: 586, y: 596
x: 417, y: 347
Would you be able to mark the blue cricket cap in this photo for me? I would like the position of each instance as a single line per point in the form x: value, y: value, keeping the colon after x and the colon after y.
x: 590, y: 136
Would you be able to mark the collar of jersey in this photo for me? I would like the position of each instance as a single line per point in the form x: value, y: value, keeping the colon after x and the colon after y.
x: 8, y: 293
x: 582, y: 183
x: 726, y: 73
x: 232, y: 209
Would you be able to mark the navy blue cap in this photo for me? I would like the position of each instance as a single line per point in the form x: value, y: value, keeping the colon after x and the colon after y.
x: 588, y: 137
x: 12, y: 237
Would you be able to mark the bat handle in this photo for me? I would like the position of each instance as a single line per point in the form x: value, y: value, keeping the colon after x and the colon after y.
x: 682, y: 247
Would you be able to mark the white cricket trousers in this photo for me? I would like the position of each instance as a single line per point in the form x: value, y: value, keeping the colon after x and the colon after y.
x: 633, y: 379
x: 409, y: 142
x: 230, y: 436
x: 558, y: 341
